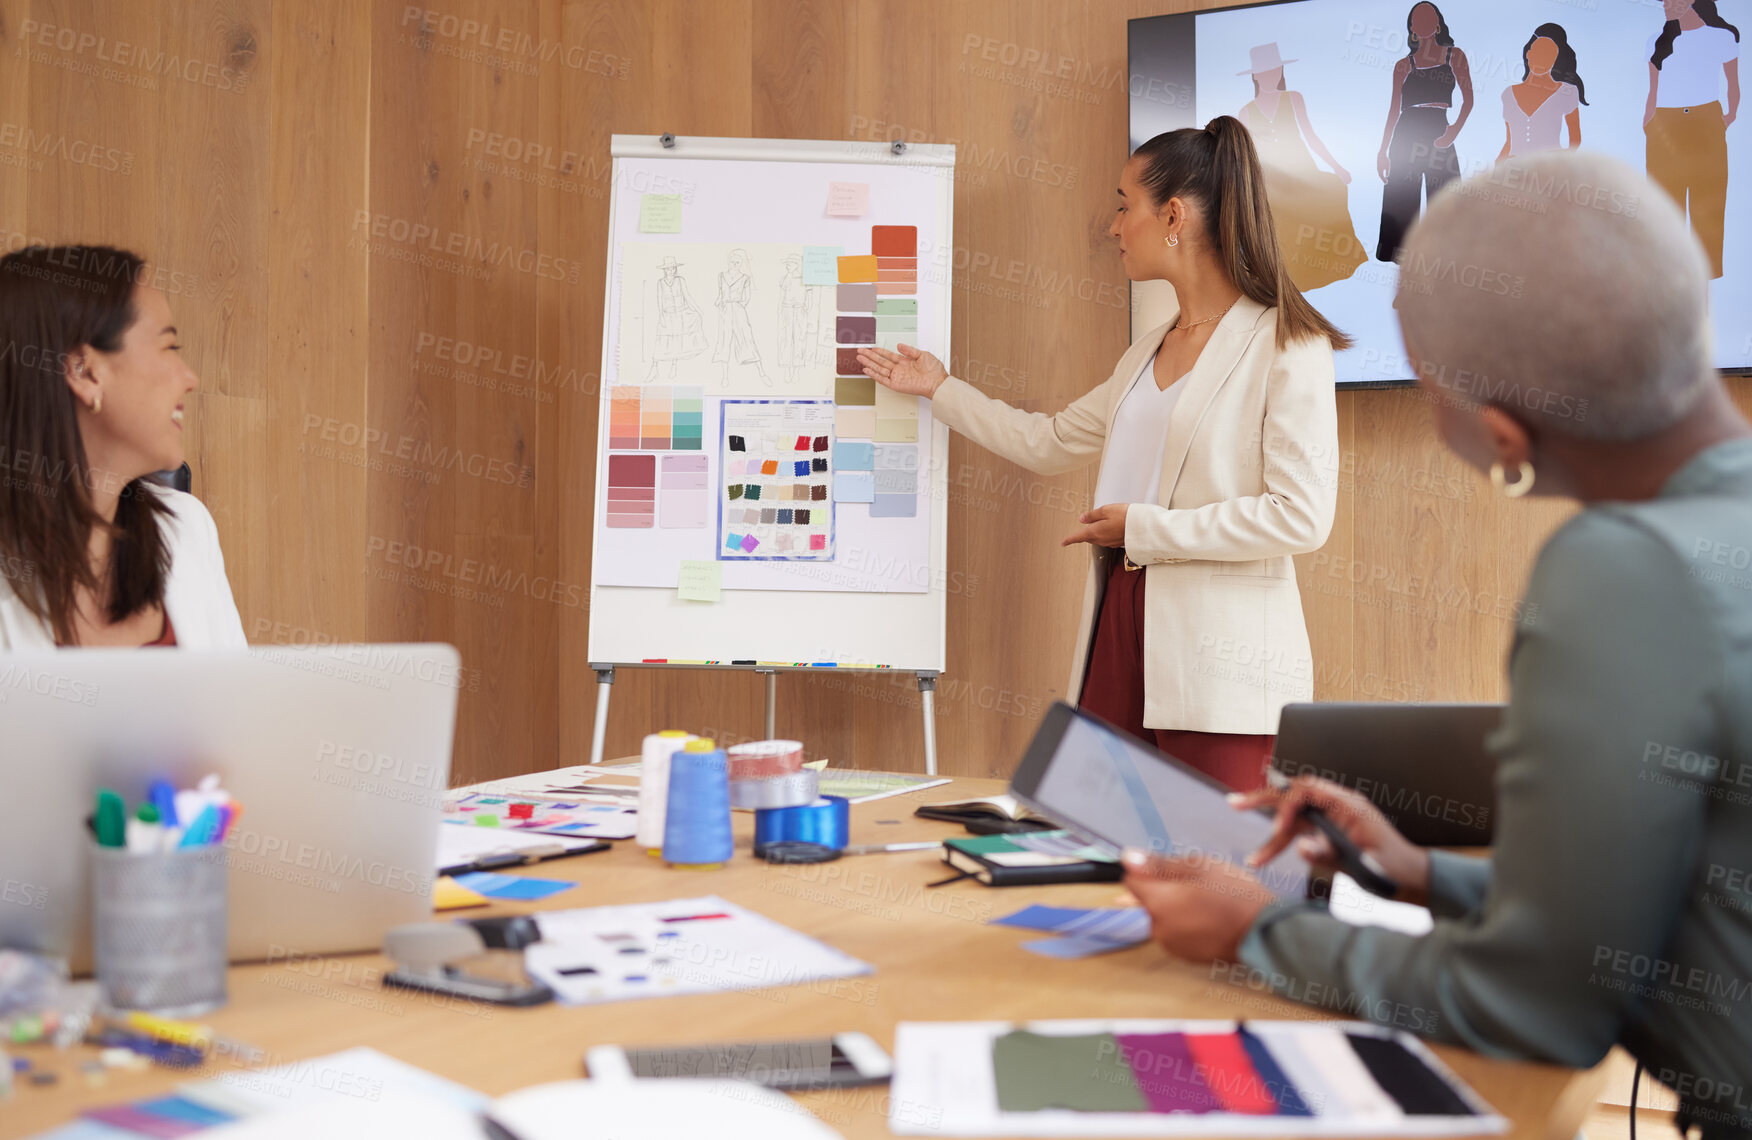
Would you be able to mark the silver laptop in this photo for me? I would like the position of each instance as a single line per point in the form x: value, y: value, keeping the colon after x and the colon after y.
x: 339, y: 757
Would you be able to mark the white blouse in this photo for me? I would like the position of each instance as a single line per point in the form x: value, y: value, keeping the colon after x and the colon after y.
x: 1543, y: 129
x: 1131, y: 463
x: 1692, y: 75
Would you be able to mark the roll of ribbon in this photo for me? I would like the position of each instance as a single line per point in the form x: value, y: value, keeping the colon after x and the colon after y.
x: 827, y: 821
x: 696, y: 832
x: 765, y: 758
x: 654, y: 757
x: 792, y: 790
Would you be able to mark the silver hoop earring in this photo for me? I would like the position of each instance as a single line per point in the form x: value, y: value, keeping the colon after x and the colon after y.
x: 1172, y: 240
x: 1512, y: 490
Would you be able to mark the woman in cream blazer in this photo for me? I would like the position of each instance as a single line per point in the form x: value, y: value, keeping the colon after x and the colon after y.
x: 1218, y: 439
x: 92, y: 393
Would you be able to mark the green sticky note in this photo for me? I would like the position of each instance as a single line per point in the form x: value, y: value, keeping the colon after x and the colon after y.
x: 1036, y: 1071
x: 821, y: 264
x: 700, y: 581
x: 660, y: 213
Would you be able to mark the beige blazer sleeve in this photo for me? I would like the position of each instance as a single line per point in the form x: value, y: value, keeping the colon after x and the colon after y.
x: 1046, y: 445
x: 1299, y: 456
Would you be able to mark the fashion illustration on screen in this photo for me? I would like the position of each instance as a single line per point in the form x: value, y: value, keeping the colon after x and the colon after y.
x: 1417, y: 154
x: 1310, y: 206
x: 680, y: 329
x: 1685, y: 123
x: 1549, y: 96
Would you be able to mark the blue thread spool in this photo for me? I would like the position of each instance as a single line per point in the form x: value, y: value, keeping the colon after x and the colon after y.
x: 696, y: 830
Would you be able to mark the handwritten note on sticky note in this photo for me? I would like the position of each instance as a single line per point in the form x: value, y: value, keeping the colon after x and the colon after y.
x: 660, y: 213
x: 848, y: 199
x: 821, y: 264
x: 700, y: 581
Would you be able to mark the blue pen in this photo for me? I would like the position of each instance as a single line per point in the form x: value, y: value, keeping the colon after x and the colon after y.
x: 163, y: 797
x: 200, y: 832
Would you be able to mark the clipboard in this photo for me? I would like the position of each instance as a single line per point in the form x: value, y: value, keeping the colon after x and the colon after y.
x: 463, y: 848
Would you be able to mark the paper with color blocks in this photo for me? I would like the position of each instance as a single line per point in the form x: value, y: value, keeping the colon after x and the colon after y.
x: 660, y: 213
x: 821, y: 264
x: 894, y: 241
x: 854, y: 391
x: 859, y: 298
x: 854, y: 487
x: 448, y: 894
x: 855, y: 330
x: 701, y: 581
x: 497, y: 886
x: 854, y: 456
x: 848, y: 199
x: 777, y: 468
x: 904, y: 506
x: 683, y: 946
x: 897, y: 431
x: 854, y: 423
x: 896, y: 307
x: 1176, y: 1078
x: 683, y: 498
x: 854, y: 270
x: 632, y: 490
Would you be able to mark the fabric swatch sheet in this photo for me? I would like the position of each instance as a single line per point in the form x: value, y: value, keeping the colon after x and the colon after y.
x: 777, y: 475
x: 685, y: 946
x: 1185, y: 1078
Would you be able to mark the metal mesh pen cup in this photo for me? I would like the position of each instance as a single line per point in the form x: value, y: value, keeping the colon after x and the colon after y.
x: 159, y: 929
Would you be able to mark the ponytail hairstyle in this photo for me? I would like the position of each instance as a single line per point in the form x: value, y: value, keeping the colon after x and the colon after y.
x: 1564, y: 70
x: 1706, y: 11
x: 55, y: 301
x: 1218, y: 169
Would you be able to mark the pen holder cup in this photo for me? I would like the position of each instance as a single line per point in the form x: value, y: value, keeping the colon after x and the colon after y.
x: 159, y: 926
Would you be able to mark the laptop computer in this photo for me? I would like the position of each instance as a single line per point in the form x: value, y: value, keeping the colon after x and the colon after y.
x: 339, y: 757
x: 1424, y: 765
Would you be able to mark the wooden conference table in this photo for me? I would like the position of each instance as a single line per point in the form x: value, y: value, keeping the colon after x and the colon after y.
x: 934, y: 957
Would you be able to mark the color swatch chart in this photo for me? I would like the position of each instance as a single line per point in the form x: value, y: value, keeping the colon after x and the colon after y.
x: 632, y: 490
x: 777, y: 465
x: 683, y: 499
x: 876, y: 306
x: 1139, y: 1078
x: 656, y: 417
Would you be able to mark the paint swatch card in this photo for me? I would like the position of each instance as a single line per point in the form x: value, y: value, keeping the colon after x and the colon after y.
x: 683, y: 499
x: 632, y: 490
x: 497, y: 886
x: 685, y: 946
x: 777, y: 467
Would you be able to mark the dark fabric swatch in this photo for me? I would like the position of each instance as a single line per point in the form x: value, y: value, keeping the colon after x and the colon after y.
x: 1405, y: 1078
x: 1289, y: 1097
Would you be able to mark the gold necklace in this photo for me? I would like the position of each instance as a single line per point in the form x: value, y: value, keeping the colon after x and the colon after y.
x: 1178, y: 326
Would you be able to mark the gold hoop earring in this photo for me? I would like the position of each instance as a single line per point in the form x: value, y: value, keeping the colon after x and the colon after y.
x: 1512, y: 490
x: 97, y: 403
x: 1172, y: 240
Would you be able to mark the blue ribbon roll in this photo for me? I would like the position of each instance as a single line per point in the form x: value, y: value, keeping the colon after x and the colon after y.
x: 827, y: 821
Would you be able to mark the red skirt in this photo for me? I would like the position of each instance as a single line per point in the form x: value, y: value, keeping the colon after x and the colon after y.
x: 1113, y: 689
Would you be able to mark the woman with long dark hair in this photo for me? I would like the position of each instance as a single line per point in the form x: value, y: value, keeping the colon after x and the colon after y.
x: 1550, y: 95
x: 1417, y: 154
x: 1685, y: 125
x: 1218, y: 442
x: 92, y: 394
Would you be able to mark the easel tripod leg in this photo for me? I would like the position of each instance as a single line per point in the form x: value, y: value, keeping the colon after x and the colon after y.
x: 599, y: 731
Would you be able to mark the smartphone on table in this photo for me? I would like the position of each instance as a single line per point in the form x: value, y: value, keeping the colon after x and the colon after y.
x: 807, y: 1063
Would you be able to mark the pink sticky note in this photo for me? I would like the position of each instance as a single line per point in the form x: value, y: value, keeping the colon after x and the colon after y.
x: 848, y: 199
x: 749, y: 542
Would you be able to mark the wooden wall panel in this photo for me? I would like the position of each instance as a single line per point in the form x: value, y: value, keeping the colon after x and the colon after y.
x: 383, y: 232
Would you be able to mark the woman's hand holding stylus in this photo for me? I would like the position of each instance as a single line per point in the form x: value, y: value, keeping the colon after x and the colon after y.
x: 1403, y: 861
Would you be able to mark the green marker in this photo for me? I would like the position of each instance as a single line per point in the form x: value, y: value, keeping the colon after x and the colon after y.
x: 111, y: 818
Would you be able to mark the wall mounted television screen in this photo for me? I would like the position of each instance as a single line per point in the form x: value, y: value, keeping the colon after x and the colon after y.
x: 1351, y: 151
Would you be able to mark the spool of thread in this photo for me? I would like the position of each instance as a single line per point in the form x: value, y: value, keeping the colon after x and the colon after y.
x: 761, y: 758
x: 790, y: 790
x: 654, y: 757
x: 696, y: 830
x: 827, y: 822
